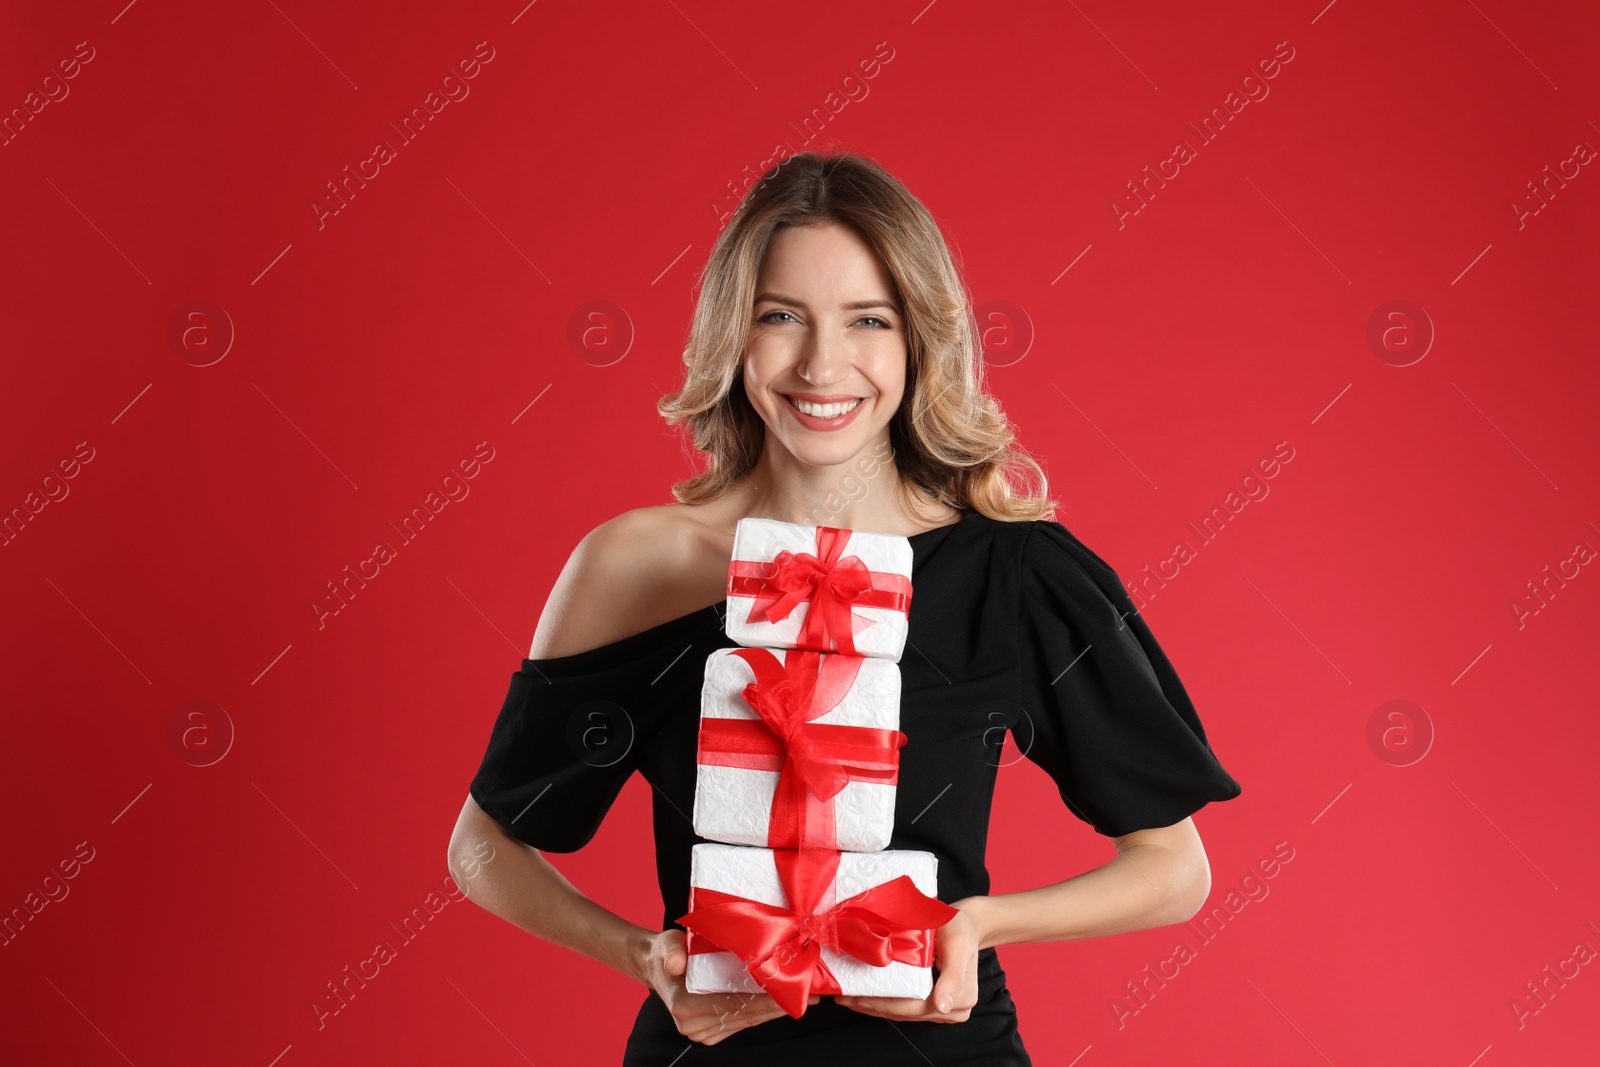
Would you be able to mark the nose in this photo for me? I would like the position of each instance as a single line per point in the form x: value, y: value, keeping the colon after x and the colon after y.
x: 823, y: 360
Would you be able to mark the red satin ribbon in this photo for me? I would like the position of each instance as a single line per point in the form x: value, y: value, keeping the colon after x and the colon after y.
x: 814, y: 760
x: 781, y: 946
x: 832, y: 586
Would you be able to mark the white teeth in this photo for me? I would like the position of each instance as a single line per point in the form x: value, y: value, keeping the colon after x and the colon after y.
x: 825, y: 411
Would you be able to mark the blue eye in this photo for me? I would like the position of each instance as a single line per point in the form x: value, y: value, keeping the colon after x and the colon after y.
x: 883, y: 324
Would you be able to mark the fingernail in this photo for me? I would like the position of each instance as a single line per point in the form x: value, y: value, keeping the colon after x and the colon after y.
x: 944, y: 1003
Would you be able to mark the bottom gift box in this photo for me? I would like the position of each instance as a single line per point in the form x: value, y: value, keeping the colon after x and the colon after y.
x: 792, y: 922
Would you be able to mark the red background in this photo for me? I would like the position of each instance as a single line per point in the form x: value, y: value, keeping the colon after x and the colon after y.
x: 592, y: 161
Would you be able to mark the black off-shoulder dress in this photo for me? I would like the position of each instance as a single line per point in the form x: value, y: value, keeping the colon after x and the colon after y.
x: 1015, y: 627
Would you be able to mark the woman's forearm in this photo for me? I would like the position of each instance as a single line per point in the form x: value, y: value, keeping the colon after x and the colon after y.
x: 522, y: 887
x: 1144, y: 886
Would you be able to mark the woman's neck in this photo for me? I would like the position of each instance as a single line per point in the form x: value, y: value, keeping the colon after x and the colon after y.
x: 867, y: 492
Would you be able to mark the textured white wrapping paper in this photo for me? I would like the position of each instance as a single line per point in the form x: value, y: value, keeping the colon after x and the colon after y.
x: 763, y: 539
x: 734, y: 804
x: 751, y: 873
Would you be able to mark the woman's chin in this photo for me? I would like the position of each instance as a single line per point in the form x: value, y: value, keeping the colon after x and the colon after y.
x: 827, y: 453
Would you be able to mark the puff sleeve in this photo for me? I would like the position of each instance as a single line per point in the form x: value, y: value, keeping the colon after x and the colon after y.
x: 569, y: 733
x: 1106, y: 716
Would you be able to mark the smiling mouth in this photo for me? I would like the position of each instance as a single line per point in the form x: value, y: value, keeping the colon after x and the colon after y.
x: 830, y: 410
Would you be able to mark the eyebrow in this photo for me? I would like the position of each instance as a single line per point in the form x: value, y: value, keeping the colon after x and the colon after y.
x: 855, y: 305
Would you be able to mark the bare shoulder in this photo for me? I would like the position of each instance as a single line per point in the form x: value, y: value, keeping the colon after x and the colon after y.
x: 645, y: 567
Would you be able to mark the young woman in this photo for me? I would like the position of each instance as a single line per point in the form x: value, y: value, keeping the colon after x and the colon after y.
x: 833, y: 378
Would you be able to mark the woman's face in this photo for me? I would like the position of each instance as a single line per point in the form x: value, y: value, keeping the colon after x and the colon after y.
x: 826, y: 362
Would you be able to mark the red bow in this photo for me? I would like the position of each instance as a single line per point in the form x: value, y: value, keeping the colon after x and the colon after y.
x: 830, y: 585
x: 781, y: 946
x: 814, y: 760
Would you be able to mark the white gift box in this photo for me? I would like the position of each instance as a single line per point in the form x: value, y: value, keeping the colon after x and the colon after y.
x: 867, y: 577
x: 752, y: 873
x: 733, y: 800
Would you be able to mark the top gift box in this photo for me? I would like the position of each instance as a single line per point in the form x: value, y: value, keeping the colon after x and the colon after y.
x: 819, y: 588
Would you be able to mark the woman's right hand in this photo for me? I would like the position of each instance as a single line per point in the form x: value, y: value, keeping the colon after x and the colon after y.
x: 703, y: 1017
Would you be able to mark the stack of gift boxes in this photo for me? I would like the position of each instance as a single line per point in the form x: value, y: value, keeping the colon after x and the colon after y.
x: 798, y: 759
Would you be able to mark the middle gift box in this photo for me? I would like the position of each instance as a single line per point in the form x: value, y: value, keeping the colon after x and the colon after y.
x: 798, y: 749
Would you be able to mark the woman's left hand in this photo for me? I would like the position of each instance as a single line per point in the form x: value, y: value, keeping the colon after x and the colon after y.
x: 955, y: 955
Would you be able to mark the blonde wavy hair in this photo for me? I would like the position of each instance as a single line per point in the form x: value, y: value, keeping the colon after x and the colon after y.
x: 951, y: 442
